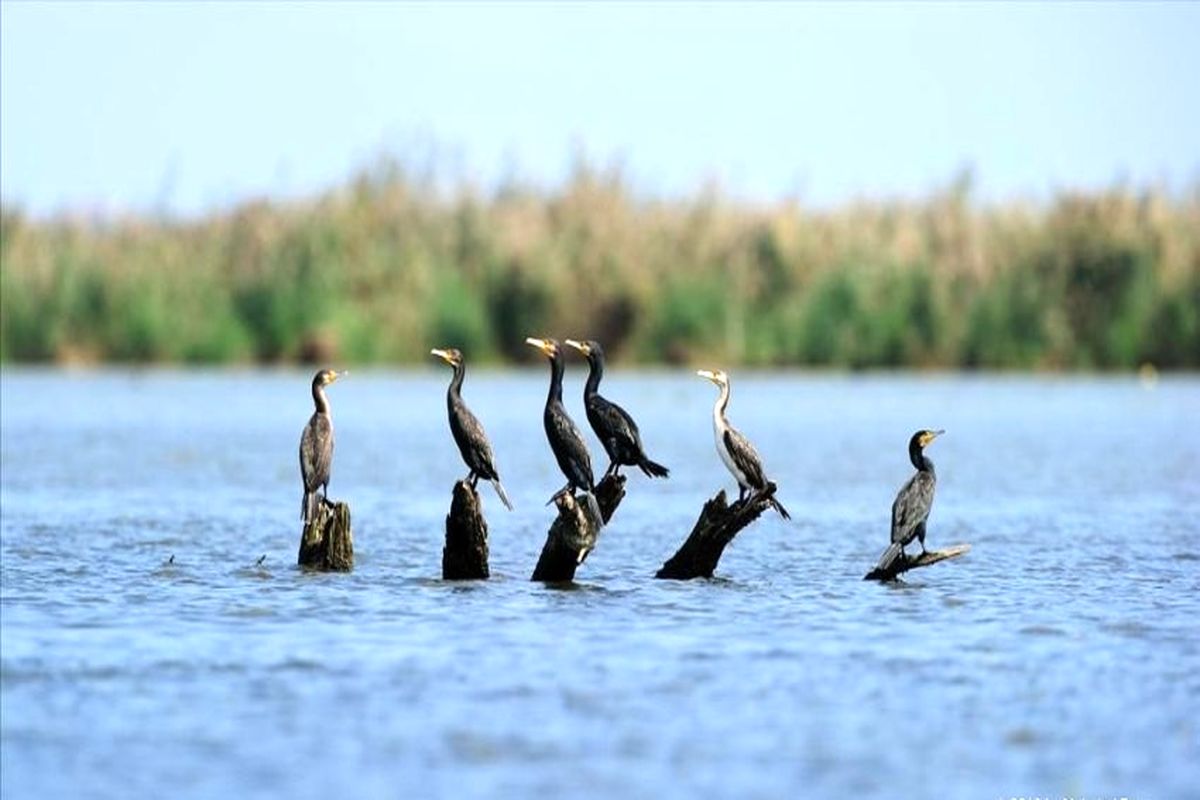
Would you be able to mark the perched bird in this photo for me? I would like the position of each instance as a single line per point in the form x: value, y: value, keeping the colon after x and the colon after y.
x: 615, y: 428
x: 565, y: 439
x: 735, y: 450
x: 911, y: 508
x: 468, y: 433
x: 316, y: 446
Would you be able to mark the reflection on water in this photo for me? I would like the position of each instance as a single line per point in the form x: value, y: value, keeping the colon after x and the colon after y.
x: 1061, y: 657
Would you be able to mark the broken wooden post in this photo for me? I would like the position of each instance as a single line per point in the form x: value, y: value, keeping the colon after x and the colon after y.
x: 574, y: 531
x: 465, y: 556
x: 714, y: 530
x: 327, y: 542
x: 906, y: 562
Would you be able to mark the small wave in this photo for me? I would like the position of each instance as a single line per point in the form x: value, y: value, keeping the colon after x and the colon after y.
x: 1130, y: 627
x: 1042, y: 630
x: 1021, y: 737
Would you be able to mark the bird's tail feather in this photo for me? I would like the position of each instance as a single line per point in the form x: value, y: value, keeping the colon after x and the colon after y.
x: 654, y: 470
x: 307, y: 510
x: 500, y: 491
x: 889, y: 557
x: 778, y: 506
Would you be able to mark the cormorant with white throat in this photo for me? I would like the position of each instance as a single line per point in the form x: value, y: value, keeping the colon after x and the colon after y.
x: 735, y: 449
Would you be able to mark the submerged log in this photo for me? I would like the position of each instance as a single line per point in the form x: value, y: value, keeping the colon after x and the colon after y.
x: 327, y: 542
x: 714, y: 530
x: 906, y: 562
x: 574, y: 531
x: 465, y: 556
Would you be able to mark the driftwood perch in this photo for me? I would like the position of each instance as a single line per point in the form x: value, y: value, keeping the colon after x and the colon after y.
x: 906, y: 562
x: 712, y: 533
x: 575, y: 530
x: 327, y: 542
x: 465, y: 556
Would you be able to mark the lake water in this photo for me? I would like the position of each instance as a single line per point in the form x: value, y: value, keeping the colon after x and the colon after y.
x: 1060, y: 658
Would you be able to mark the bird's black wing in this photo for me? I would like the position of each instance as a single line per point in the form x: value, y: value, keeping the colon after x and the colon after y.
x: 746, y: 458
x: 615, y: 428
x: 472, y: 441
x: 316, y: 451
x: 911, y: 507
x: 569, y: 449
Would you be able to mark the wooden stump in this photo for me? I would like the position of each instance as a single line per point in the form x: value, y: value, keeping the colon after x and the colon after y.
x: 906, y: 562
x: 574, y: 531
x: 465, y: 556
x: 712, y: 533
x: 327, y: 542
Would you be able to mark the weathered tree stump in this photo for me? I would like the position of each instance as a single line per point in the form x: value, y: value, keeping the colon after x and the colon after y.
x: 574, y: 531
x: 465, y: 556
x: 712, y: 533
x: 906, y: 562
x: 327, y: 542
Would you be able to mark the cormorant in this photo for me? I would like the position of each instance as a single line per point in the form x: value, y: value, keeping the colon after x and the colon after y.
x: 735, y: 449
x: 316, y: 446
x: 565, y: 438
x: 613, y: 426
x: 912, y: 504
x: 468, y: 433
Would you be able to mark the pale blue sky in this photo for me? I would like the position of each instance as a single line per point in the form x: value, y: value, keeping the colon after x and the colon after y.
x: 185, y: 107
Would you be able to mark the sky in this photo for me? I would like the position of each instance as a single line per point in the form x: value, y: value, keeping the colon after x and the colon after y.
x: 185, y: 108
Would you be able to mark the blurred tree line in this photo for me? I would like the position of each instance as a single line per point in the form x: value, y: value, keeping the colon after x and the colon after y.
x: 388, y: 265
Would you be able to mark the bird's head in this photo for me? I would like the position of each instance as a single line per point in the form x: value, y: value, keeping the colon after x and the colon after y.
x: 450, y: 355
x: 328, y: 376
x: 717, y: 376
x: 923, y: 438
x: 589, y: 347
x: 549, y: 347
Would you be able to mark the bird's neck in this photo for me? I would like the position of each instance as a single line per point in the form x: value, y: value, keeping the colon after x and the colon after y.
x: 319, y: 399
x: 720, y: 406
x: 460, y: 372
x: 595, y: 373
x: 556, y: 379
x: 918, y: 458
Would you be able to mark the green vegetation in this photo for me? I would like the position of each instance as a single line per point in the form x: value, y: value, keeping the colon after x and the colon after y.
x: 388, y: 266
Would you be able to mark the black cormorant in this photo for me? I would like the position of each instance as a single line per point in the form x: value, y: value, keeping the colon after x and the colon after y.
x: 911, y: 507
x: 613, y: 426
x: 735, y: 449
x: 316, y: 446
x: 565, y: 438
x: 468, y: 433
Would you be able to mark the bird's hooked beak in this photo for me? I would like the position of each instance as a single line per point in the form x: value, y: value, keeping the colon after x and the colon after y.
x: 334, y: 374
x: 707, y: 373
x: 444, y: 355
x: 580, y: 346
x: 541, y: 344
x: 931, y: 435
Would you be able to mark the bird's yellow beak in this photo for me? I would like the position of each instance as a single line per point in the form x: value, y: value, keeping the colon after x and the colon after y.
x: 930, y: 436
x: 580, y: 346
x: 706, y: 373
x: 540, y: 344
x: 442, y: 354
x: 335, y: 374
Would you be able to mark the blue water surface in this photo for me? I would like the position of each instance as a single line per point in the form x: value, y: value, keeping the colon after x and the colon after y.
x: 1061, y: 657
